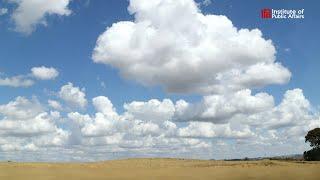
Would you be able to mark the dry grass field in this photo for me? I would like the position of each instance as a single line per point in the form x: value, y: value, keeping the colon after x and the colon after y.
x: 167, y: 169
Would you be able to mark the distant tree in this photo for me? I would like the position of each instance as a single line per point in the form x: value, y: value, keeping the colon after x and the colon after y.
x: 313, y: 137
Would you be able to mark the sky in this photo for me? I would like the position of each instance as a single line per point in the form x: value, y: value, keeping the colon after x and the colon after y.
x: 89, y: 80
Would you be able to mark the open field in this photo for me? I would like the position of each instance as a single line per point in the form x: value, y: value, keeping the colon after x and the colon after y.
x: 140, y: 169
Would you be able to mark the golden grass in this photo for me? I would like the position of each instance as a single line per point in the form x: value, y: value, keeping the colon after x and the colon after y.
x: 167, y: 169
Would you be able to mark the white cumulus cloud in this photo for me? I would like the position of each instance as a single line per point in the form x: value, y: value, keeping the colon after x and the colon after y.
x: 25, y: 126
x: 74, y: 96
x: 27, y: 80
x: 210, y: 130
x: 30, y: 13
x: 221, y: 108
x: 294, y: 110
x: 172, y: 44
x: 249, y: 122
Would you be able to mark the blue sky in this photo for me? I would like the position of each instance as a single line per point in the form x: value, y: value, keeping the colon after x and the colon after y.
x: 81, y: 30
x: 67, y: 44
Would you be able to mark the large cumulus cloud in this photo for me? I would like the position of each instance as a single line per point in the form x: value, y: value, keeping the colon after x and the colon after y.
x: 174, y: 45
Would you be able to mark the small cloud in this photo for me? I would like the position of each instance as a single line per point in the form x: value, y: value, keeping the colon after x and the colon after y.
x: 287, y: 49
x: 27, y: 80
x: 29, y: 14
x: 44, y: 73
x: 103, y: 84
x: 16, y: 81
x: 3, y: 11
x: 206, y: 2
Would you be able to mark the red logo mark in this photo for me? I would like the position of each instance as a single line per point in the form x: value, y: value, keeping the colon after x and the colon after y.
x: 266, y: 13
